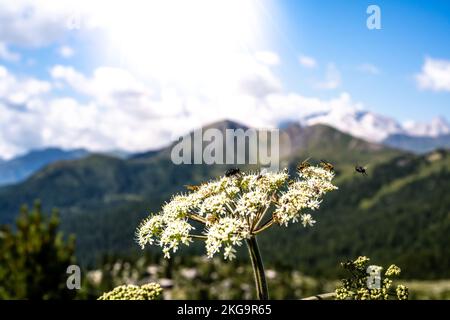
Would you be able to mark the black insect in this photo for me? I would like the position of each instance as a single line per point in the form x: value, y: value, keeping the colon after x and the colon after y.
x: 232, y: 172
x: 362, y: 170
x: 303, y: 165
x: 326, y: 165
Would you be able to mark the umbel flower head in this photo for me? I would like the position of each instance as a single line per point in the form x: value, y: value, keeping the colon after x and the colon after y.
x: 234, y: 208
x: 366, y: 285
x: 150, y: 291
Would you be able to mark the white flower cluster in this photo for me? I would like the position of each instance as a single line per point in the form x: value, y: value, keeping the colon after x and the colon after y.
x: 251, y: 203
x: 226, y: 232
x: 171, y: 232
x: 304, y: 193
x: 234, y: 208
x: 215, y: 205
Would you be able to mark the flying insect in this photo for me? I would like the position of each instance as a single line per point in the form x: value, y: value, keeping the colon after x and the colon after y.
x: 360, y: 169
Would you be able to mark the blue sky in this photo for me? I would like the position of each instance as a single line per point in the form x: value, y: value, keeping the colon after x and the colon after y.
x: 335, y: 31
x: 137, y: 74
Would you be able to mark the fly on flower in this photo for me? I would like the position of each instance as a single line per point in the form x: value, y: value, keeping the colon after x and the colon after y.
x: 232, y: 172
x: 261, y: 174
x: 326, y: 165
x: 211, y: 218
x: 191, y: 187
x: 304, y: 164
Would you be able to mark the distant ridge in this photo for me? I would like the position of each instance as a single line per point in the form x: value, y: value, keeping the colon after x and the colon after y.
x: 20, y: 168
x: 375, y: 127
x: 416, y: 143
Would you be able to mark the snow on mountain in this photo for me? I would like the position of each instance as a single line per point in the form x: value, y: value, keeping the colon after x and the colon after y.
x: 436, y: 127
x: 374, y: 127
x: 359, y: 123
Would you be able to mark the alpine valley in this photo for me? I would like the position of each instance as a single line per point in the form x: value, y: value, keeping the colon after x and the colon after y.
x: 398, y: 213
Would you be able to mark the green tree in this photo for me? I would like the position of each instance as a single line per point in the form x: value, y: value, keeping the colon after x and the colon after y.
x: 34, y: 257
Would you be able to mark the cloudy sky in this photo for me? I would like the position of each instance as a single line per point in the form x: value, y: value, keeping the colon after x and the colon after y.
x: 134, y: 75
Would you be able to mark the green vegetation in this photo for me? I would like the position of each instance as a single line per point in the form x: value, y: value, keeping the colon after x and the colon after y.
x: 408, y: 226
x: 367, y: 282
x: 200, y: 278
x: 149, y: 291
x: 435, y: 290
x: 34, y: 258
x: 102, y: 199
x: 399, y: 213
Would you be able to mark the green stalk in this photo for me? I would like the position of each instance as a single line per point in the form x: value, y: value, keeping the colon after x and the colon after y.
x: 262, y: 293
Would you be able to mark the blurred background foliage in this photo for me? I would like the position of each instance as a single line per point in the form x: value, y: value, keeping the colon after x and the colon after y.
x: 398, y: 214
x: 34, y: 257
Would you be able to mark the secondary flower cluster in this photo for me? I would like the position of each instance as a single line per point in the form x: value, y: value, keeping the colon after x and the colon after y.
x: 366, y: 283
x: 235, y: 207
x: 150, y: 291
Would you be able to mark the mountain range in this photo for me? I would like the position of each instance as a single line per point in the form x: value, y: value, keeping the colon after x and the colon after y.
x: 417, y: 137
x: 20, y: 168
x: 418, y: 144
x: 396, y: 214
x: 374, y: 127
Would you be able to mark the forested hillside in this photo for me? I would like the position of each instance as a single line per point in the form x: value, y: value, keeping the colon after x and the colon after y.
x: 398, y: 213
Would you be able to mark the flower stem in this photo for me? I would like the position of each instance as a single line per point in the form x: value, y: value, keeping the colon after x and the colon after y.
x: 197, y: 236
x: 266, y: 225
x: 262, y: 293
x: 323, y: 296
x: 197, y: 218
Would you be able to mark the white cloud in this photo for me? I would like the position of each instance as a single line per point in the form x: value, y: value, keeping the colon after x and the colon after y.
x: 66, y: 52
x: 257, y: 80
x: 19, y: 92
x: 17, y: 131
x: 164, y: 89
x: 37, y: 23
x: 369, y: 68
x: 293, y: 106
x: 435, y: 75
x: 123, y: 112
x: 69, y: 75
x: 332, y: 78
x: 268, y: 57
x: 307, y: 62
x: 18, y: 125
x: 30, y: 23
x: 119, y: 114
x: 106, y: 83
x: 7, y: 54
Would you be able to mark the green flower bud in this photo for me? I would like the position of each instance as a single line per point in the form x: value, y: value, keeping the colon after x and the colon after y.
x: 149, y: 291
